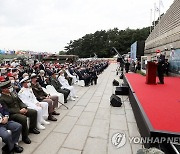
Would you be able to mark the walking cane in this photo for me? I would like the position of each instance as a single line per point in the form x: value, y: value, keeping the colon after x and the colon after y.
x: 63, y: 105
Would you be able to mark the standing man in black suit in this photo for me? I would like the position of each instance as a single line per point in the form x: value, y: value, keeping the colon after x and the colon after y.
x: 160, y: 67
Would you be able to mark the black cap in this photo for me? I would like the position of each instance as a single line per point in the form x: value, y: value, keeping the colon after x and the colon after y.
x: 5, y: 84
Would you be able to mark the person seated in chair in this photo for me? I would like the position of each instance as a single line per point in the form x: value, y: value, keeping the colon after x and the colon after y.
x: 44, y: 97
x: 41, y: 79
x: 65, y: 84
x: 27, y: 96
x: 58, y: 86
x: 10, y: 139
x: 18, y: 111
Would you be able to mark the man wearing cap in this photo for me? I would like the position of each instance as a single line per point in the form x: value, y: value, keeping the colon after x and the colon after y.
x: 18, y: 111
x: 10, y: 139
x: 42, y: 96
x: 27, y: 96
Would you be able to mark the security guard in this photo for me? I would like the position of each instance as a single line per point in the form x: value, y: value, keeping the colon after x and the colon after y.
x: 18, y: 111
x: 10, y: 139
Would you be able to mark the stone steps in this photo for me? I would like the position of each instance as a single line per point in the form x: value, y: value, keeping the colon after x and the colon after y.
x: 167, y: 30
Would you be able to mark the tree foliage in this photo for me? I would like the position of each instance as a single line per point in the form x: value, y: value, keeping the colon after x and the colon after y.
x: 102, y: 41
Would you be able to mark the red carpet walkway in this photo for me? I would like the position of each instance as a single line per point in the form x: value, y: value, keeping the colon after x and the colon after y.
x: 161, y: 103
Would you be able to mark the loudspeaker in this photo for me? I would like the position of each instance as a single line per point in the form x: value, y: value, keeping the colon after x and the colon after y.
x: 119, y: 59
x: 122, y: 90
x: 115, y: 101
x: 115, y: 83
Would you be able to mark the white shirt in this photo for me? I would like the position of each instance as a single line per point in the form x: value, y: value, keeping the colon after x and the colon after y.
x: 63, y: 81
x: 27, y: 96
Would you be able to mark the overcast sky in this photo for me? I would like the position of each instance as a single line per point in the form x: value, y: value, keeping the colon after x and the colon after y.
x: 48, y: 25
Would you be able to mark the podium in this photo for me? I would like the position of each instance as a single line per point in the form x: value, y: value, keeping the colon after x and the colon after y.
x: 151, y: 70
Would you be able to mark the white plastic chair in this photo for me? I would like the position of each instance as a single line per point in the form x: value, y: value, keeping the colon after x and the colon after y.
x: 52, y: 91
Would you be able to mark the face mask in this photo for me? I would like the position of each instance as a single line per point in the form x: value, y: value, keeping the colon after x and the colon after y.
x: 56, y: 76
x: 63, y: 74
x: 16, y: 77
x: 12, y: 81
x: 29, y: 85
x: 17, y: 80
x: 11, y: 89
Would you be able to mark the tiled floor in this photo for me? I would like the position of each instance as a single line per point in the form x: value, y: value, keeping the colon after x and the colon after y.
x: 89, y: 124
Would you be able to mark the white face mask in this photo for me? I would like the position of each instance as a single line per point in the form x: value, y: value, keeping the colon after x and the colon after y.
x: 29, y: 85
x: 17, y: 80
x: 62, y: 74
x: 11, y: 89
x: 16, y: 77
x: 56, y: 76
x: 12, y: 81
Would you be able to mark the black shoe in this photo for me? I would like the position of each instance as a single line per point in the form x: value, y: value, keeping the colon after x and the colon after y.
x: 160, y: 83
x: 8, y: 152
x: 34, y: 131
x: 51, y: 118
x: 55, y: 113
x: 18, y: 149
x: 26, y: 140
x: 5, y: 148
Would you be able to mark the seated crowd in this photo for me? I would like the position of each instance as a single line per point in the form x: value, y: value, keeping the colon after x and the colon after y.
x: 33, y: 93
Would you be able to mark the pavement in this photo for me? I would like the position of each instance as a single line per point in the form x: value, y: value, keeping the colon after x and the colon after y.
x: 90, y: 122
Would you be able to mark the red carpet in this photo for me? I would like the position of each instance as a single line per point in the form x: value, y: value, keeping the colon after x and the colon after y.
x: 161, y: 103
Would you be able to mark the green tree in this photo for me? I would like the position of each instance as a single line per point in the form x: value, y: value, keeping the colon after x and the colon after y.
x: 102, y: 41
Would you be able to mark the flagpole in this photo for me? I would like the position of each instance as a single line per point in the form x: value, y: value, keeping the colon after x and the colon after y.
x: 159, y: 15
x: 154, y: 19
x: 154, y: 13
x: 150, y: 20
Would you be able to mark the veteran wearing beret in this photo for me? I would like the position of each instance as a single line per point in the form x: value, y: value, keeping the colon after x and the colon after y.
x: 18, y: 111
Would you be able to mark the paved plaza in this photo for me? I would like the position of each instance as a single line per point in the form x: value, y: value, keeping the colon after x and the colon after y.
x: 89, y: 124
